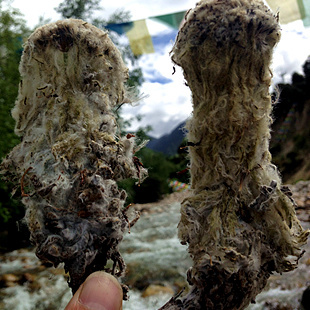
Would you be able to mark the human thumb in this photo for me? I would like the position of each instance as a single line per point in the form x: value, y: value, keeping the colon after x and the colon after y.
x: 100, y: 291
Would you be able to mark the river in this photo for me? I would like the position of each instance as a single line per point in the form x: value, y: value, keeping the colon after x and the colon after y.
x: 157, y: 265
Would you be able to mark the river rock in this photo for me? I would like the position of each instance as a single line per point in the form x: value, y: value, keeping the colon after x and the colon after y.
x: 277, y: 306
x: 154, y: 289
x: 305, y: 300
x: 27, y: 277
x: 8, y: 280
x: 301, y: 194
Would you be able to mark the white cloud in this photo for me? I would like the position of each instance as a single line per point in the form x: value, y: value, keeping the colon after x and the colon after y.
x: 170, y: 103
x: 144, y: 9
x: 291, y: 52
x: 34, y: 9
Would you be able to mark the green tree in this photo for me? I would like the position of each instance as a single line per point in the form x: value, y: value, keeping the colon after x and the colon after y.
x: 181, y: 162
x: 290, y: 131
x: 13, y: 31
x: 80, y: 9
x: 156, y: 185
x: 306, y: 69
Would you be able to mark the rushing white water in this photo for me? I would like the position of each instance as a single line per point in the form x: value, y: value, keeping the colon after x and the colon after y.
x: 53, y: 294
x: 153, y: 242
x: 14, y: 264
x: 137, y: 302
x: 153, y: 254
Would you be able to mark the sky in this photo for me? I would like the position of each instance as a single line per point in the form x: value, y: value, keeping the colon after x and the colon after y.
x: 167, y: 101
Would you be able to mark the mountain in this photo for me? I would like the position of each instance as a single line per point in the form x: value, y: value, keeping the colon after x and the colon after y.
x: 290, y: 131
x: 169, y: 143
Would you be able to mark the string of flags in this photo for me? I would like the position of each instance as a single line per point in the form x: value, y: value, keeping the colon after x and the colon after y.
x: 286, y: 126
x: 291, y: 10
x: 141, y: 42
x: 178, y: 186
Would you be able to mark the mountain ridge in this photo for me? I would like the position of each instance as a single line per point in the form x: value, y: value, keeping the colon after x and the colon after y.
x: 168, y: 144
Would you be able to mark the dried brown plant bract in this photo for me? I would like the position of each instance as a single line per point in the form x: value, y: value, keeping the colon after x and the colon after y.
x: 239, y: 223
x: 71, y: 156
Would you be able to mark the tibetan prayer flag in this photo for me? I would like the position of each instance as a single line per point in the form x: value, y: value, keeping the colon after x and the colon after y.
x: 305, y: 8
x: 120, y: 28
x: 178, y: 186
x: 174, y: 20
x: 138, y: 35
x: 291, y: 10
x: 139, y: 38
x: 141, y: 41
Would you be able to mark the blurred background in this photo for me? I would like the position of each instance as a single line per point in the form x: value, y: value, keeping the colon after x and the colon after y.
x: 144, y: 31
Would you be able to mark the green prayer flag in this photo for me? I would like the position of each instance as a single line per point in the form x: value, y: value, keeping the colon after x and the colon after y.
x: 304, y: 6
x: 173, y: 19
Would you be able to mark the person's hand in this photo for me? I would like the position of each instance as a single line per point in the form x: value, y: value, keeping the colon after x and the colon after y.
x: 100, y: 291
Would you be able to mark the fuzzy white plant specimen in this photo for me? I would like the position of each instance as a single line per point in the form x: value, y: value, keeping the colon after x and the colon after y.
x: 70, y: 156
x: 239, y: 223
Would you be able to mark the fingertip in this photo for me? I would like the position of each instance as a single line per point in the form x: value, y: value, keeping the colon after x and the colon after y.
x: 99, y: 291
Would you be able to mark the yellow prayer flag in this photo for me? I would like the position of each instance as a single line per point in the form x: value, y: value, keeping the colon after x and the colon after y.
x: 139, y: 38
x: 289, y: 10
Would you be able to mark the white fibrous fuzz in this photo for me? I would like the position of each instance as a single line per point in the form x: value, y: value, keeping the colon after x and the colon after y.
x: 239, y: 222
x: 71, y: 156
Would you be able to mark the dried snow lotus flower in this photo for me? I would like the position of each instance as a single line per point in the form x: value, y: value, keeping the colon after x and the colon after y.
x: 71, y: 156
x: 239, y: 222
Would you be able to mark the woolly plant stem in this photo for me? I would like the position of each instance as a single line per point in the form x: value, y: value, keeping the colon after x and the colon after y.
x: 239, y: 223
x: 71, y: 156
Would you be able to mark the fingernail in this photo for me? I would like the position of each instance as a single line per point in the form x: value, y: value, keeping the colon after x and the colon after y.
x: 101, y: 292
